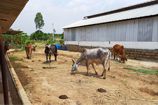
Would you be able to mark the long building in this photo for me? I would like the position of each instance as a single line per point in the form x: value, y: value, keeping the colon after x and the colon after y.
x: 135, y: 27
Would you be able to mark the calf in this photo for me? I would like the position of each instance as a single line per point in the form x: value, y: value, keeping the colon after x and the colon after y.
x: 118, y: 50
x: 91, y: 56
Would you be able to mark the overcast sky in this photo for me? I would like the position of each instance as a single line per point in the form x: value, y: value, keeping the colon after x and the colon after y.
x: 64, y: 12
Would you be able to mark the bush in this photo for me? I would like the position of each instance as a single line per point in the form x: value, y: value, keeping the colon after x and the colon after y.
x: 50, y: 42
x: 39, y: 35
x: 16, y: 41
x: 61, y: 41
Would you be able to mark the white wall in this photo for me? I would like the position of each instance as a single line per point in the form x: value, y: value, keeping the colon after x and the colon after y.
x: 136, y: 30
x: 132, y: 45
x: 132, y: 34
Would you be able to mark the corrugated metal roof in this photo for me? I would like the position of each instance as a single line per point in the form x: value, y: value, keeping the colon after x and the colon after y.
x: 125, y: 15
x: 140, y: 5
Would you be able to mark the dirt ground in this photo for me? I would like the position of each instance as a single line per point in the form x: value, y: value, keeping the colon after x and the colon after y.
x: 123, y: 87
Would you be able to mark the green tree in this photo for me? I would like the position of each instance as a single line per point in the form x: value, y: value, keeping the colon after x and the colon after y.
x: 39, y: 35
x: 39, y: 21
x: 16, y: 40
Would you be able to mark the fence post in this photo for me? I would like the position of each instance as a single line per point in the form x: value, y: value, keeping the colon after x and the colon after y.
x: 4, y: 67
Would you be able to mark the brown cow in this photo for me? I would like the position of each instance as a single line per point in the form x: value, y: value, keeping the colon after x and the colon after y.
x: 118, y: 50
x: 28, y: 49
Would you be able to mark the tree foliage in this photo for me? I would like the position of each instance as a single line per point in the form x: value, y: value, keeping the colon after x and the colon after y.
x: 39, y: 21
x: 58, y: 39
x: 39, y: 35
x: 18, y: 40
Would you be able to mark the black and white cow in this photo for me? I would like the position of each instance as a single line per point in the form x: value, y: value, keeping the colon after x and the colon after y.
x: 50, y: 50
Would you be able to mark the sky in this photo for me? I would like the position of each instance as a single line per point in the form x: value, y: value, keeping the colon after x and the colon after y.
x: 63, y: 12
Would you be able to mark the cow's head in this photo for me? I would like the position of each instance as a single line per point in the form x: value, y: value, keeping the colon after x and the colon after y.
x: 74, y: 66
x: 123, y: 59
x: 34, y: 47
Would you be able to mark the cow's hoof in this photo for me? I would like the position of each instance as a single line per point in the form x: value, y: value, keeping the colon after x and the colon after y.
x: 104, y: 77
x: 108, y: 69
x: 72, y: 73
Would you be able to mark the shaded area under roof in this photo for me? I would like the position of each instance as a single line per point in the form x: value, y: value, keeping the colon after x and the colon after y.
x: 9, y: 10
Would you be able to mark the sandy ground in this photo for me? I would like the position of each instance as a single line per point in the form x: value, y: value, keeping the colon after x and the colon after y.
x: 123, y: 87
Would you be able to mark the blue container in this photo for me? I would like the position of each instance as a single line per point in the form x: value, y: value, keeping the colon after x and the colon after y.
x: 61, y: 47
x: 58, y: 46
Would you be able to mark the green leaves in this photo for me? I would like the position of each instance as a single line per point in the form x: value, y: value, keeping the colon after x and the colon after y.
x: 39, y: 21
x: 18, y: 40
x: 39, y: 35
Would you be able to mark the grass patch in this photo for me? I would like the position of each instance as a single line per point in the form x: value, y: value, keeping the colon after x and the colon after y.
x: 142, y: 70
x: 14, y: 58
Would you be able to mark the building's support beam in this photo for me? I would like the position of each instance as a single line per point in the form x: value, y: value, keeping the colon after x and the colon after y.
x: 4, y: 68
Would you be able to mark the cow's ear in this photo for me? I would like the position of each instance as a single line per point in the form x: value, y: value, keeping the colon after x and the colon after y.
x: 83, y: 50
x: 73, y: 61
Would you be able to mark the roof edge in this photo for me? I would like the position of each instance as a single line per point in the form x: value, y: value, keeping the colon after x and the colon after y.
x: 123, y: 9
x: 109, y: 22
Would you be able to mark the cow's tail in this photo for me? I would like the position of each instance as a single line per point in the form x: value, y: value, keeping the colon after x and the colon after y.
x: 109, y: 59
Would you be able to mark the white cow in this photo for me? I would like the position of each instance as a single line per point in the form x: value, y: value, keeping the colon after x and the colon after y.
x: 91, y: 56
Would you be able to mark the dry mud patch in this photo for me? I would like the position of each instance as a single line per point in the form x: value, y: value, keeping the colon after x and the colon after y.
x: 44, y: 86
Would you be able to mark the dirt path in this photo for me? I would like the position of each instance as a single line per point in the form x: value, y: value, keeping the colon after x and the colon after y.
x: 123, y: 87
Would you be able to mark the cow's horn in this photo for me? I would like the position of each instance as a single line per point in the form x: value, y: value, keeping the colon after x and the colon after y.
x: 73, y: 60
